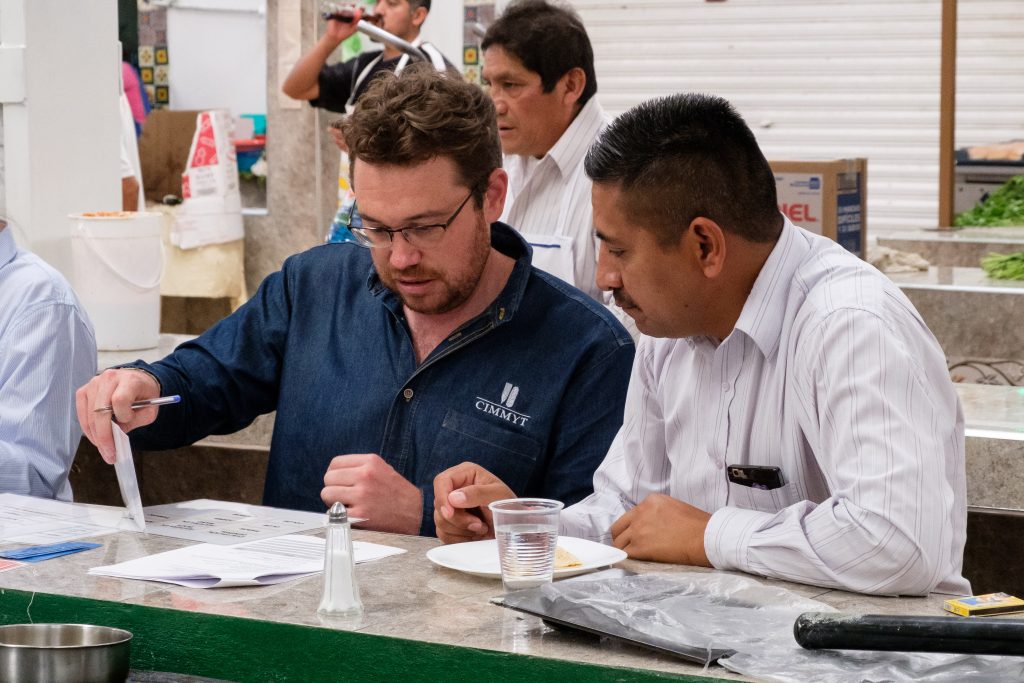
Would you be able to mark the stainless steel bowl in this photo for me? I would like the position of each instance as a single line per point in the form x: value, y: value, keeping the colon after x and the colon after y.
x: 69, y: 653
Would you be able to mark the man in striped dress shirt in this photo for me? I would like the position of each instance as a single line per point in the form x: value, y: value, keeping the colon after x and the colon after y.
x: 539, y: 67
x: 789, y: 413
x: 47, y: 350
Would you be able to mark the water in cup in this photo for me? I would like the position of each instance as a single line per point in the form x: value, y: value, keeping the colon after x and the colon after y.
x: 527, y: 553
x: 527, y: 533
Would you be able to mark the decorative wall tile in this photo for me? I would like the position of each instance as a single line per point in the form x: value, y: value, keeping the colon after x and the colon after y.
x: 476, y: 13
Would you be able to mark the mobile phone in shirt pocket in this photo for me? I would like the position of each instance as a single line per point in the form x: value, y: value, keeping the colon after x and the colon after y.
x: 759, y: 487
x: 761, y: 500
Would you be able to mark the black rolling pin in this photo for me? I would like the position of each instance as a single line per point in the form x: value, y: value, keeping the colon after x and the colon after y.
x: 961, y: 635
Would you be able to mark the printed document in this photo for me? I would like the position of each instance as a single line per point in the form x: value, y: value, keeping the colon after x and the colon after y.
x: 39, y: 521
x: 257, y: 563
x: 223, y: 523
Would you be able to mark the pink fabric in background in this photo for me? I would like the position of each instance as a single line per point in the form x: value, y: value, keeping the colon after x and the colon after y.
x: 133, y: 91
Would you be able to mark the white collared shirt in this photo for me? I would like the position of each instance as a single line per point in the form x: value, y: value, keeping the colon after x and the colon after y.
x: 47, y: 351
x: 831, y: 375
x: 551, y: 196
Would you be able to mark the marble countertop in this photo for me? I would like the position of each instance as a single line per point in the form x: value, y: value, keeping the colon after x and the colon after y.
x: 405, y: 596
x: 993, y: 411
x: 956, y: 278
x: 976, y: 234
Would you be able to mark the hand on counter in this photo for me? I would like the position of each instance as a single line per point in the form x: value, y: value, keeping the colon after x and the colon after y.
x: 461, y: 496
x: 118, y: 388
x: 663, y: 529
x: 368, y: 487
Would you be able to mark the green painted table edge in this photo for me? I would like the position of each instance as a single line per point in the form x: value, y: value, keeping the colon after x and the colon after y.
x: 193, y: 643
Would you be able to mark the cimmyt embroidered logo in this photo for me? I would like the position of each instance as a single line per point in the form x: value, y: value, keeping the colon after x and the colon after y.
x: 508, y: 395
x: 503, y: 408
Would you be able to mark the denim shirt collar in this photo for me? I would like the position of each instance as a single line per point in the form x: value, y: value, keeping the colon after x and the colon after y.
x: 507, y: 241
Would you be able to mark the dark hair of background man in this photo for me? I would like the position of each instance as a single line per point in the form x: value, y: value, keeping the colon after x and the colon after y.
x: 421, y: 114
x: 683, y: 156
x: 549, y: 40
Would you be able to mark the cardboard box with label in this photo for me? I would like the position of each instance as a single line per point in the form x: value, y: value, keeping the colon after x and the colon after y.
x: 826, y: 197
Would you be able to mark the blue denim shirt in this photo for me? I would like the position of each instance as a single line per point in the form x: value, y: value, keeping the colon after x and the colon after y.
x: 533, y: 389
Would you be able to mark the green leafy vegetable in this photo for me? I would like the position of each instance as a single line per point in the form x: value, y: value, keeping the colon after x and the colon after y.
x: 1003, y: 207
x: 1004, y: 266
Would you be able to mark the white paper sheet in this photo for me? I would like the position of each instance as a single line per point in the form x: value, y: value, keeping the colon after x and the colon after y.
x: 257, y: 563
x: 124, y: 466
x: 35, y: 521
x: 59, y: 534
x: 223, y: 523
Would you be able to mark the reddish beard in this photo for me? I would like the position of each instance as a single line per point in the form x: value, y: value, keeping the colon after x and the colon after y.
x: 457, y: 285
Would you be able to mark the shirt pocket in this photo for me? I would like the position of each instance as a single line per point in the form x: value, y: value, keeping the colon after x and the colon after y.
x: 509, y: 455
x: 761, y: 500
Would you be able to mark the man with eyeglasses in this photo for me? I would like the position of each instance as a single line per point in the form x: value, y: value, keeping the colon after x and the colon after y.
x: 431, y: 341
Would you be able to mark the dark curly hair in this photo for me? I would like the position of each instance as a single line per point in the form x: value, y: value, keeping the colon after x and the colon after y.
x: 421, y: 114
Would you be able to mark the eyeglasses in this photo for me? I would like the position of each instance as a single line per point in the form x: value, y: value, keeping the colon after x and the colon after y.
x: 416, y: 235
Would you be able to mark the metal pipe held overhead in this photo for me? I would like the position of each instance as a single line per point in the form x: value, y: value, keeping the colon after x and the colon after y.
x: 339, y: 12
x: 391, y: 39
x: 478, y: 29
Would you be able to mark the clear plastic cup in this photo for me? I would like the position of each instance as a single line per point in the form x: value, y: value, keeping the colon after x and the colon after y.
x: 527, y: 533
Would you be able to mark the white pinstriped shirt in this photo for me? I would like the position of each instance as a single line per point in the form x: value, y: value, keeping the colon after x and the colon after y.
x: 831, y: 375
x: 552, y: 196
x: 47, y: 351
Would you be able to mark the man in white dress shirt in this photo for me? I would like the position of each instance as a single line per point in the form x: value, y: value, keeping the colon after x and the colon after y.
x: 789, y: 413
x: 539, y: 67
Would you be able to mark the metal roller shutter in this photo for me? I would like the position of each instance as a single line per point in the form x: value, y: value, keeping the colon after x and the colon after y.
x: 826, y: 79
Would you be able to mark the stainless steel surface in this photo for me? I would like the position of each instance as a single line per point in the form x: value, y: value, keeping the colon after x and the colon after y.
x: 478, y: 29
x: 69, y: 653
x: 391, y: 39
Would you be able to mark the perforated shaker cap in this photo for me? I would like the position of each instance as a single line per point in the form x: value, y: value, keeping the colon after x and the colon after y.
x: 337, y: 514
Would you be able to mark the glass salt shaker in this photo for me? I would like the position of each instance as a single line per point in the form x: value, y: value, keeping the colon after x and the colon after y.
x: 341, y: 593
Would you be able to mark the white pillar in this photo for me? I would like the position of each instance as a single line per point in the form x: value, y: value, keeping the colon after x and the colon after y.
x: 59, y: 99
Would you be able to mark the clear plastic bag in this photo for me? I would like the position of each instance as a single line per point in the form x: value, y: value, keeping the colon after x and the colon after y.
x: 745, y: 624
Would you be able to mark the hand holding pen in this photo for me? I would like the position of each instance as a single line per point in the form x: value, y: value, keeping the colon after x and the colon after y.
x: 160, y: 401
x: 129, y: 396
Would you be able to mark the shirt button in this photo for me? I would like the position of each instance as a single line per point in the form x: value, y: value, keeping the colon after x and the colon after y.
x: 725, y: 386
x: 720, y: 464
x: 408, y: 394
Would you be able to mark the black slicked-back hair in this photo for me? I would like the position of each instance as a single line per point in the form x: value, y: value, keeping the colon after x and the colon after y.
x: 549, y: 40
x: 683, y: 156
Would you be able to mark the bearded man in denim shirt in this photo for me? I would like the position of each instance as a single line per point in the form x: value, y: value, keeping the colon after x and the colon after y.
x: 431, y: 342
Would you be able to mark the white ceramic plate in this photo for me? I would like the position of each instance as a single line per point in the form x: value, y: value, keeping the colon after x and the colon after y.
x: 480, y: 558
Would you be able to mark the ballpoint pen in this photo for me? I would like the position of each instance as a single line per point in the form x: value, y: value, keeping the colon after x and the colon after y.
x: 163, y: 400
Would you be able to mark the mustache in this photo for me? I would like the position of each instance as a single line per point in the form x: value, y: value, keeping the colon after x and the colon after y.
x: 622, y: 300
x: 414, y: 273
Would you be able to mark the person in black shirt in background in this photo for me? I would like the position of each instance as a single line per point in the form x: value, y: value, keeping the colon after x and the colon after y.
x: 337, y: 87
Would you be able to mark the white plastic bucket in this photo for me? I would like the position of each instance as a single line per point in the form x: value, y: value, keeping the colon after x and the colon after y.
x: 118, y: 263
